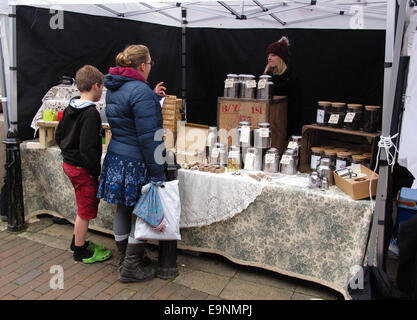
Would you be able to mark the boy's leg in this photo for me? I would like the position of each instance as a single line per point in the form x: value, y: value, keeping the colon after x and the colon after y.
x: 80, y: 231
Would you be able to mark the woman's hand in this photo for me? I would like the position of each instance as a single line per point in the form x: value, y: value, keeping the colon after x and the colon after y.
x: 160, y: 89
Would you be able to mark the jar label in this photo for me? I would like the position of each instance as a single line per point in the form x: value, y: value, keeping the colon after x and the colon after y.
x: 292, y: 145
x: 262, y: 84
x: 320, y: 116
x: 314, y: 161
x: 228, y: 83
x: 250, y: 84
x: 286, y: 159
x: 244, y: 134
x: 334, y: 118
x: 349, y: 117
x: 264, y: 132
x: 249, y: 161
x: 215, y: 153
x: 269, y: 158
x: 234, y: 154
x: 340, y: 164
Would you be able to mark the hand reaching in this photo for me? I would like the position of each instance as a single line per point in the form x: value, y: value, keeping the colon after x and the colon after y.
x: 160, y: 89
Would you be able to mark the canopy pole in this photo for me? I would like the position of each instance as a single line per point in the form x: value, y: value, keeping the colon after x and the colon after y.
x: 13, y: 203
x: 392, y: 59
x: 184, y: 62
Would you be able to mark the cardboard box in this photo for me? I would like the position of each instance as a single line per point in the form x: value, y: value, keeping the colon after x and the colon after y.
x: 191, y: 142
x: 358, y: 188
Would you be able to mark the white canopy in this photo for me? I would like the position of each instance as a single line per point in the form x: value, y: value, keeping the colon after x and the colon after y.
x: 328, y: 14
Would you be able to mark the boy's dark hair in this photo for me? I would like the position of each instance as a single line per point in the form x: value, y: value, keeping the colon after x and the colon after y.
x: 87, y: 76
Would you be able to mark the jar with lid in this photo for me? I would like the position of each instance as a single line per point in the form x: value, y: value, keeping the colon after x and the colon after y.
x: 218, y: 155
x: 252, y: 162
x: 340, y: 149
x: 295, y: 143
x: 358, y: 159
x: 353, y: 117
x: 265, y: 86
x: 231, y: 86
x: 245, y: 134
x: 247, y: 86
x: 325, y: 170
x: 343, y: 160
x: 323, y: 113
x: 316, y: 155
x: 262, y: 135
x: 287, y: 163
x: 337, y: 114
x: 233, y: 159
x: 330, y: 154
x: 271, y: 160
x: 367, y: 161
x: 372, y: 119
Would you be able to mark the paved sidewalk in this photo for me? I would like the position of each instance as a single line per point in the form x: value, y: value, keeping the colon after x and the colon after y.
x: 27, y: 271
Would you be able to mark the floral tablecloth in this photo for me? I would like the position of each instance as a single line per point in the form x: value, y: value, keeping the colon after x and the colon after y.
x: 304, y: 233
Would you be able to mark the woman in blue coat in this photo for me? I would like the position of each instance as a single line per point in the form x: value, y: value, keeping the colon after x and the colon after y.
x: 134, y: 115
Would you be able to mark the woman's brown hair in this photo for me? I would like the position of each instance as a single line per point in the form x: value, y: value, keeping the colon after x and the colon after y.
x: 132, y: 56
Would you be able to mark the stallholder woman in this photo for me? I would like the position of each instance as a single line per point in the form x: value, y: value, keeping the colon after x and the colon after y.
x: 285, y: 83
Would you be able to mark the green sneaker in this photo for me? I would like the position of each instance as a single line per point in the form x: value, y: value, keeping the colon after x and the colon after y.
x: 92, y: 246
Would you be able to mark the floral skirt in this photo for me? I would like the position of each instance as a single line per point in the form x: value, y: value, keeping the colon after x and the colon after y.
x: 121, y: 179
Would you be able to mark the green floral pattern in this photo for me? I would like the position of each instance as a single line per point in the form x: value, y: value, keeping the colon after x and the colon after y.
x: 304, y: 233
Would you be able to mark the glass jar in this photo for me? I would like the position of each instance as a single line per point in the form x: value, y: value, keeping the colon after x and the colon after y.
x: 247, y: 86
x: 323, y: 113
x: 218, y: 155
x: 337, y: 114
x: 340, y: 149
x: 316, y: 155
x: 262, y: 136
x: 252, y: 162
x: 245, y: 134
x: 353, y: 117
x: 325, y: 170
x: 287, y: 163
x: 343, y: 160
x: 330, y: 154
x: 271, y: 160
x: 265, y: 86
x: 358, y: 159
x: 372, y: 119
x: 295, y: 144
x: 231, y: 86
x: 211, y: 137
x: 233, y: 159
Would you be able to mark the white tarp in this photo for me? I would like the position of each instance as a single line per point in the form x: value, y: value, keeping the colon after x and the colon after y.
x: 329, y: 14
x: 4, y: 39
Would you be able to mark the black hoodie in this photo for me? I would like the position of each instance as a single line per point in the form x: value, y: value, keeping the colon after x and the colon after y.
x: 79, y: 136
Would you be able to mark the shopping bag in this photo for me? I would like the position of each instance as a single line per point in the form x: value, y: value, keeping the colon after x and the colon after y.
x: 149, y: 206
x: 169, y: 197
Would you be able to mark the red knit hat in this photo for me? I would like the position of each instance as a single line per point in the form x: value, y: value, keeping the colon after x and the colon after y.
x: 280, y: 48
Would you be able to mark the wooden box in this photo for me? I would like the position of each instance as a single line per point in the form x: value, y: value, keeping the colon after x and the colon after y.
x: 231, y: 111
x: 171, y: 114
x: 191, y: 142
x: 316, y: 136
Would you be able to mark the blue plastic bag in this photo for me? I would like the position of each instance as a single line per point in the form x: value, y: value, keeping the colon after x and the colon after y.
x: 149, y: 207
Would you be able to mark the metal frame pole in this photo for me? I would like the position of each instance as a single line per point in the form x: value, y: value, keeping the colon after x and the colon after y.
x: 184, y: 23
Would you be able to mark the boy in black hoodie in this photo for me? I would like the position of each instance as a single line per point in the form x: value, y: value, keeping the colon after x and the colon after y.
x: 78, y: 136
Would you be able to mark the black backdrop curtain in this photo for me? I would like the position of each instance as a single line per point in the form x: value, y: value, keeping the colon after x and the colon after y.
x: 334, y: 65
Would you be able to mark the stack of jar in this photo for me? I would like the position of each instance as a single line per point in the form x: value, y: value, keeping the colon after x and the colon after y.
x: 244, y: 86
x: 350, y: 116
x: 290, y: 159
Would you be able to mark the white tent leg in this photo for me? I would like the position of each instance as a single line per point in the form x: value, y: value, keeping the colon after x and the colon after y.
x: 13, y: 71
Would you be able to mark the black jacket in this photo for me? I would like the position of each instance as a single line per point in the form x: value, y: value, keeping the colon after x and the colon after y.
x: 79, y: 136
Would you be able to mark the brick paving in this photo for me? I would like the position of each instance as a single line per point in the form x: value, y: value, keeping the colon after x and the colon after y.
x: 26, y: 273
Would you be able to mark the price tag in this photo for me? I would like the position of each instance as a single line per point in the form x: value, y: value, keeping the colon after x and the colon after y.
x: 215, y: 153
x: 334, y: 118
x: 262, y: 84
x: 269, y: 158
x: 228, y: 83
x: 292, y: 145
x: 286, y: 159
x: 320, y: 116
x: 249, y: 161
x: 349, y: 117
x: 244, y: 134
x: 264, y: 132
x: 340, y: 164
x: 314, y: 161
x: 234, y: 154
x: 250, y: 84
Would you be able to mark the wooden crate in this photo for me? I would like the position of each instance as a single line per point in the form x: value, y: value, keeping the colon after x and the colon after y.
x: 47, y: 133
x: 171, y: 114
x: 316, y: 136
x: 231, y: 111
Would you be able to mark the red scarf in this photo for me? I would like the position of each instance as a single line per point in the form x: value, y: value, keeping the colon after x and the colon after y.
x: 126, y: 72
